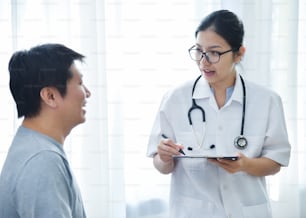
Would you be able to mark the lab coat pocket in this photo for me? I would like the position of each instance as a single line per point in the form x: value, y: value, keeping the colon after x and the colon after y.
x: 185, y: 207
x: 255, y: 144
x: 192, y: 165
x: 255, y: 211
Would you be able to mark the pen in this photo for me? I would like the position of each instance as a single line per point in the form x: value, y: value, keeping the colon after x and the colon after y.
x: 181, y: 151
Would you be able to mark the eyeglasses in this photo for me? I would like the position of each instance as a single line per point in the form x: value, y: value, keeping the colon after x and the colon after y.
x: 211, y: 56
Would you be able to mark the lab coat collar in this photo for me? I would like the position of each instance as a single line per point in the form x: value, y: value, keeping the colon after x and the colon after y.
x: 202, y: 90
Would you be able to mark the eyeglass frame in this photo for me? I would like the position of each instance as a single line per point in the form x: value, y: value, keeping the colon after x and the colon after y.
x: 205, y: 54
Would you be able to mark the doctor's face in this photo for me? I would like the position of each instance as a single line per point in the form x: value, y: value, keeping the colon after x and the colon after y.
x: 222, y: 72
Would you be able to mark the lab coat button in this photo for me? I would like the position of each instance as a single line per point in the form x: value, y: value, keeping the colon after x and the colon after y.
x: 220, y: 128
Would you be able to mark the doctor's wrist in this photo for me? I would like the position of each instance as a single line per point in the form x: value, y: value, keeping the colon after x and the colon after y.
x: 164, y: 166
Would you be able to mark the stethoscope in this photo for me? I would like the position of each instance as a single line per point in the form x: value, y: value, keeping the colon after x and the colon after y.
x: 240, y: 141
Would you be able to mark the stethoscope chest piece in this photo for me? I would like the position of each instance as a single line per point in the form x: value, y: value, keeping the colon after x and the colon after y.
x: 241, y: 142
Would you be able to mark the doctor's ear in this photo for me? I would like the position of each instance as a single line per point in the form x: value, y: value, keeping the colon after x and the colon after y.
x: 240, y: 53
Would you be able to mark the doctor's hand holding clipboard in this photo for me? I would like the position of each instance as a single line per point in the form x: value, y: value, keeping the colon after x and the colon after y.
x: 233, y: 165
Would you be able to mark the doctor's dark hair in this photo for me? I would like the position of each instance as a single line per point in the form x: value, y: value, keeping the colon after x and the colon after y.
x: 42, y: 66
x: 226, y: 24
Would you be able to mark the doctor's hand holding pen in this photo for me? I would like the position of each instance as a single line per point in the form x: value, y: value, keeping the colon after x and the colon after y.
x: 167, y: 148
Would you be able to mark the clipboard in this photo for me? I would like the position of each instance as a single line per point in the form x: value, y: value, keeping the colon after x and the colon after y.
x: 233, y: 158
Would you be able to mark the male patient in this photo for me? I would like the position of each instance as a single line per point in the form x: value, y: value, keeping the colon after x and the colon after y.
x: 36, y: 180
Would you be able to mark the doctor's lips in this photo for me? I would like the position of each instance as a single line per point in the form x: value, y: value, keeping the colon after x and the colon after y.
x: 181, y: 151
x: 208, y: 72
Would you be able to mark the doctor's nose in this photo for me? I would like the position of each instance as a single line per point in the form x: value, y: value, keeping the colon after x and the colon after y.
x: 204, y: 61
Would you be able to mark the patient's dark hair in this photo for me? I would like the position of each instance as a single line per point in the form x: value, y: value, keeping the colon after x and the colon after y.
x: 41, y: 66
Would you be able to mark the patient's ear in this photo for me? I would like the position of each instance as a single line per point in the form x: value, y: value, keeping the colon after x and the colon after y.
x: 48, y: 96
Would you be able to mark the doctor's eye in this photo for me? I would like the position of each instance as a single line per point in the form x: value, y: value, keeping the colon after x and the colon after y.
x: 213, y: 53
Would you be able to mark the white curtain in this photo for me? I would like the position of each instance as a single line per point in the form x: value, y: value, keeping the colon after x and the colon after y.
x: 136, y: 50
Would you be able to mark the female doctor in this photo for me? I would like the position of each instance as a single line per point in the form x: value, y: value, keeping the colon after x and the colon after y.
x: 217, y: 115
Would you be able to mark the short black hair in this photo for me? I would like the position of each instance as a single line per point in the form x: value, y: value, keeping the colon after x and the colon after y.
x: 226, y: 24
x: 41, y: 66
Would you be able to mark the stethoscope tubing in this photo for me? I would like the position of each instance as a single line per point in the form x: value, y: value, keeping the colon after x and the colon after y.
x: 195, y: 105
x: 240, y: 141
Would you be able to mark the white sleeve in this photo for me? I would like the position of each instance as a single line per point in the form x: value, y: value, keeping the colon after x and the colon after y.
x: 276, y: 145
x: 161, y: 126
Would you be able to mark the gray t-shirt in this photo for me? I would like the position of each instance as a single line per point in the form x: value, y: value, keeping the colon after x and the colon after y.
x: 36, y: 180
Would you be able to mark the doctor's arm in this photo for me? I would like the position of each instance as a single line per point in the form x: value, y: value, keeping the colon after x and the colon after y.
x: 261, y: 166
x: 164, y: 167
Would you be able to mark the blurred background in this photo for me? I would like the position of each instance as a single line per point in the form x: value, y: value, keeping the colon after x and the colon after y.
x: 135, y: 51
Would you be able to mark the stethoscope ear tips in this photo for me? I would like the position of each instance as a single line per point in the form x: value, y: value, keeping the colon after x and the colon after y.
x: 211, y: 147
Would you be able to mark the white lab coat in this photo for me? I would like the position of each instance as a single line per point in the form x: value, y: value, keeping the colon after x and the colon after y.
x: 200, y: 189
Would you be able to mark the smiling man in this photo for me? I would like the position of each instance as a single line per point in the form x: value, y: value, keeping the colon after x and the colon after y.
x: 36, y: 179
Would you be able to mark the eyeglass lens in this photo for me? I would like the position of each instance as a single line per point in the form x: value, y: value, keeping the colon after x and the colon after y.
x: 210, y: 56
